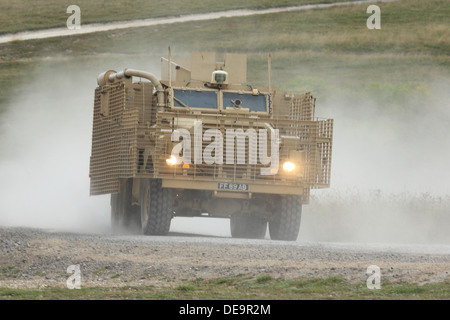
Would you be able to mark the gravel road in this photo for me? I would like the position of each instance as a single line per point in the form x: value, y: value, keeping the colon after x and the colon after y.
x: 36, y: 258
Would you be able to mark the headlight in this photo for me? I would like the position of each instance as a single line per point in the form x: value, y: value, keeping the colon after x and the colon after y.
x: 288, y: 166
x: 172, y: 160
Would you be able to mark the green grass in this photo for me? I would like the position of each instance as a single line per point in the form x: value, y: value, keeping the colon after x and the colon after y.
x: 264, y: 287
x: 19, y: 15
x: 10, y: 271
x: 186, y: 288
x: 409, y: 27
x: 264, y: 278
x: 323, y: 51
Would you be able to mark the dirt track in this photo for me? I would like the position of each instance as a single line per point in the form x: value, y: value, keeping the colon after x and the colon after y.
x: 31, y: 258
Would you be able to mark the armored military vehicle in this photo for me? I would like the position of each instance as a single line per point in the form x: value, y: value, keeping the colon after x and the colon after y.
x: 202, y: 141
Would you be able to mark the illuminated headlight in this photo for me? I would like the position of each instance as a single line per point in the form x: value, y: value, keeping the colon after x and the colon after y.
x: 172, y: 160
x: 288, y: 166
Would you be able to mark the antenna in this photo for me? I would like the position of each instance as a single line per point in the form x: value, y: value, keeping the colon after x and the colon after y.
x: 269, y: 67
x: 170, y: 68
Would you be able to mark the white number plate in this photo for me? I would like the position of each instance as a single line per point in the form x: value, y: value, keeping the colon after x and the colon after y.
x: 232, y: 186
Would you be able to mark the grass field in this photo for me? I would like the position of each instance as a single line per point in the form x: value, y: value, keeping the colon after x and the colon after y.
x: 19, y: 15
x: 319, y: 50
x: 260, y: 288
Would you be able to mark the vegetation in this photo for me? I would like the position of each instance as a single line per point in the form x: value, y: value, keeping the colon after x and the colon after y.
x: 264, y: 287
x: 19, y: 15
x: 323, y: 51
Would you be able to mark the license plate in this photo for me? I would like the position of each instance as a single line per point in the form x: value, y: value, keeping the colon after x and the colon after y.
x: 232, y: 186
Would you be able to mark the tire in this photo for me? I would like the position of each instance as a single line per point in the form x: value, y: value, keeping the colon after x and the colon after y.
x: 285, y: 224
x: 249, y: 227
x: 156, y: 208
x: 124, y: 215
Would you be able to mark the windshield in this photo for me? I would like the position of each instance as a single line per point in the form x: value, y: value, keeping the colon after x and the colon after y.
x: 195, y: 99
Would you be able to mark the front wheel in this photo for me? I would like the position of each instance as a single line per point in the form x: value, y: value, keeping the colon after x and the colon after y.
x: 156, y: 208
x: 285, y: 224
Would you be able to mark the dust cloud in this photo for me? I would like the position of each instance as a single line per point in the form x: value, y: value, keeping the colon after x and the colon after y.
x: 44, y: 167
x: 390, y: 179
x: 45, y: 138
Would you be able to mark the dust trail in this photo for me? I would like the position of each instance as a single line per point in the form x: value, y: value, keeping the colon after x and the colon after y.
x: 45, y: 138
x: 390, y: 180
x: 101, y: 27
x: 44, y: 167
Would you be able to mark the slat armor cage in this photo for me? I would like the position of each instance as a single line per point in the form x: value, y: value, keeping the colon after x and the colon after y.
x: 131, y: 138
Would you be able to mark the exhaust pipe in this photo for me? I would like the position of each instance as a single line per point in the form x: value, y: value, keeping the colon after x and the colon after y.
x: 110, y: 76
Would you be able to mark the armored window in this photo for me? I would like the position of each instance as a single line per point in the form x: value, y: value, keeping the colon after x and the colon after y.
x: 245, y: 100
x: 195, y: 99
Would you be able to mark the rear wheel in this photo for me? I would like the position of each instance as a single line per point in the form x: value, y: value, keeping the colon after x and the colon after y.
x: 285, y: 224
x: 124, y: 215
x: 247, y: 226
x: 156, y: 208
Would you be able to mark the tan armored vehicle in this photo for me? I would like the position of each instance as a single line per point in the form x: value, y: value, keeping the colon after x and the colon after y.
x: 201, y: 141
